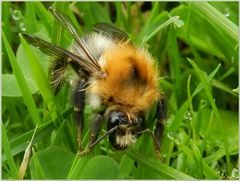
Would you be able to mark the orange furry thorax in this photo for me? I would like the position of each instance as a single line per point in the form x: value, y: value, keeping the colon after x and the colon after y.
x: 131, y: 82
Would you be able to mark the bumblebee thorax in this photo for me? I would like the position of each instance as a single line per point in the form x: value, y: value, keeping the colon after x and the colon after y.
x: 130, y: 81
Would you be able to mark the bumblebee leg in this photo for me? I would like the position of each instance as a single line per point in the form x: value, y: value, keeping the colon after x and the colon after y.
x: 156, y: 142
x: 161, y: 115
x: 78, y: 99
x: 94, y: 131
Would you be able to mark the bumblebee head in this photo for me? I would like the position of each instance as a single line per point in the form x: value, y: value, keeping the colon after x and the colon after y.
x: 126, y: 131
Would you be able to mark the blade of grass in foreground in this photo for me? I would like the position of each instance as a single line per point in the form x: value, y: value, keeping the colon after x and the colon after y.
x: 19, y: 143
x: 154, y: 24
x: 41, y: 81
x: 25, y: 90
x: 212, y: 15
x: 158, y: 167
x: 7, y: 151
x: 194, y: 156
x: 44, y: 15
x: 174, y: 55
x: 213, y: 105
x: 223, y: 87
x: 78, y: 164
x: 37, y: 171
x: 159, y: 27
x: 182, y: 110
x: 220, y: 153
x: 26, y: 158
x: 153, y: 14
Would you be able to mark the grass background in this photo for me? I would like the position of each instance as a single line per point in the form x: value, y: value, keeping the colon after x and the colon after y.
x: 196, y: 47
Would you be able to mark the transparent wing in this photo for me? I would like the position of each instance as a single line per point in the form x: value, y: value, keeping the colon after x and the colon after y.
x: 61, y: 58
x: 45, y: 47
x: 111, y: 30
x: 53, y: 50
x: 66, y: 22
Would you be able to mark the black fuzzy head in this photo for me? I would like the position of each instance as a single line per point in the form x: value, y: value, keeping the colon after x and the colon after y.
x: 127, y: 132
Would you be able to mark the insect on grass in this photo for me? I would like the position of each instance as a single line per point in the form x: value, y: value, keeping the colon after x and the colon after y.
x: 111, y: 73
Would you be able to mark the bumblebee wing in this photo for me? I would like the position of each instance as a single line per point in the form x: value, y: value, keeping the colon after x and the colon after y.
x: 57, y: 73
x: 61, y: 58
x: 80, y: 42
x: 44, y: 46
x: 111, y: 30
x: 53, y: 50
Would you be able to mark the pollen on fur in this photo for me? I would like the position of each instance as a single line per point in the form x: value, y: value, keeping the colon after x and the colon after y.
x: 126, y: 140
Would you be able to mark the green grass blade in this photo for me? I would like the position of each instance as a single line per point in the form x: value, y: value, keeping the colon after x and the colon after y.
x: 158, y: 167
x: 41, y: 80
x: 73, y: 166
x: 20, y: 143
x: 78, y: 164
x: 182, y: 110
x: 175, y: 60
x: 126, y: 165
x: 43, y: 12
x: 209, y: 78
x: 153, y: 14
x: 121, y: 20
x: 26, y: 157
x: 209, y: 173
x: 44, y: 15
x: 6, y: 24
x: 154, y: 24
x: 219, y: 154
x: 158, y: 28
x: 223, y: 87
x: 212, y: 15
x: 9, y: 156
x: 212, y: 102
x: 198, y: 159
x: 194, y: 156
x: 25, y: 90
x: 191, y: 126
x: 30, y: 18
x: 208, y: 131
x: 37, y: 171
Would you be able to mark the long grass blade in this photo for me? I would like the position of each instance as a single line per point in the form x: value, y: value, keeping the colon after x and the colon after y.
x: 158, y: 167
x: 182, y: 110
x: 213, y: 104
x: 19, y: 143
x: 7, y: 151
x: 212, y: 15
x: 26, y: 157
x: 41, y: 81
x: 25, y: 90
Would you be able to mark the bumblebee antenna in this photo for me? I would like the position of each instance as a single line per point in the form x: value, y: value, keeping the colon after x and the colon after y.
x: 103, y: 136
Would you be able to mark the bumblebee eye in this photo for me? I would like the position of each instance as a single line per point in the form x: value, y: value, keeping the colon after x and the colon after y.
x: 116, y: 118
x: 141, y: 118
x: 125, y: 133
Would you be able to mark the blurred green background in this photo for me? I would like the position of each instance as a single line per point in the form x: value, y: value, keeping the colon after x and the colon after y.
x: 195, y: 45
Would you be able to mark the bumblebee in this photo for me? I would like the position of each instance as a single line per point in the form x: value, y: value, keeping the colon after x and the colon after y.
x: 111, y: 73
